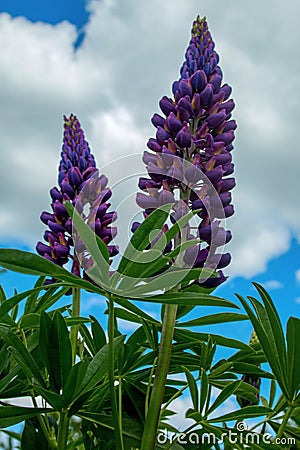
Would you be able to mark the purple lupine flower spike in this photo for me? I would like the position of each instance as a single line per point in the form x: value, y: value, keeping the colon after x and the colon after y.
x: 194, y: 137
x: 77, y: 170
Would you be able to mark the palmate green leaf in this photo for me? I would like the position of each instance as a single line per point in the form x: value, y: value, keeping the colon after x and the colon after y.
x: 214, y: 319
x: 229, y: 390
x: 22, y: 355
x: 174, y: 230
x: 52, y: 398
x: 266, y: 341
x: 241, y: 367
x: 44, y: 333
x: 33, y: 321
x: 275, y: 323
x: 189, y: 336
x: 204, y: 392
x: 31, y: 264
x: 123, y: 314
x: 32, y: 298
x: 49, y: 298
x: 2, y: 295
x: 98, y: 333
x: 293, y: 355
x: 244, y: 413
x: 30, y: 321
x: 167, y: 280
x: 132, y: 430
x: 188, y: 298
x: 192, y: 388
x: 272, y: 327
x: 128, y: 305
x: 98, y: 367
x: 73, y: 384
x: 59, y: 350
x: 29, y: 436
x: 5, y: 381
x: 99, y: 252
x: 11, y: 415
x: 140, y: 239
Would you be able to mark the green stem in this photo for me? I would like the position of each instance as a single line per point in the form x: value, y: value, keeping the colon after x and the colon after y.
x: 120, y: 394
x: 63, y: 430
x: 74, y: 328
x: 285, y: 421
x: 51, y: 442
x: 111, y: 371
x: 157, y: 394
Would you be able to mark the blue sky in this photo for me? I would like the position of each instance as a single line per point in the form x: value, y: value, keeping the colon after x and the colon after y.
x: 113, y: 82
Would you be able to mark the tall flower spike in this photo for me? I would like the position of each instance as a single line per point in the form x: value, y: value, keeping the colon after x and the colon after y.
x: 77, y: 169
x: 194, y: 136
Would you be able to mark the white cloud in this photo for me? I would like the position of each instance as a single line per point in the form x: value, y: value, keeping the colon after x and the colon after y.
x: 130, y: 56
x: 297, y: 300
x: 273, y: 284
x: 262, y: 242
x: 297, y: 275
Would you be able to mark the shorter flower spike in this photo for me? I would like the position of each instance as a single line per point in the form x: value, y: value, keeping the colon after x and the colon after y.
x: 77, y: 171
x: 254, y: 380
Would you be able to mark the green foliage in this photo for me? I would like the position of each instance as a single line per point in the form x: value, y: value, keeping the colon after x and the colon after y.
x: 36, y: 355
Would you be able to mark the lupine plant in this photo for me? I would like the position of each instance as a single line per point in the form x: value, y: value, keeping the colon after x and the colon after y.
x: 88, y: 385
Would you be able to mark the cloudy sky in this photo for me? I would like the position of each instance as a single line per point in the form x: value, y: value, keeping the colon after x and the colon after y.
x: 109, y: 62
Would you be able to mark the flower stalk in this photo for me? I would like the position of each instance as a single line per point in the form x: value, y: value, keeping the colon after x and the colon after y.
x: 157, y: 394
x: 75, y: 328
x: 111, y: 373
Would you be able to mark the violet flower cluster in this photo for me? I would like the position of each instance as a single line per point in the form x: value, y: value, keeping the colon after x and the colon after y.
x: 79, y: 183
x: 191, y: 153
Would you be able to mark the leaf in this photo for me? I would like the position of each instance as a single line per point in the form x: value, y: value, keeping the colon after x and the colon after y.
x: 98, y: 333
x: 229, y: 390
x: 123, y: 314
x: 29, y: 435
x: 140, y: 239
x: 293, y: 355
x: 30, y: 320
x: 128, y: 305
x: 188, y: 298
x: 132, y: 431
x: 252, y: 369
x: 214, y: 319
x: 5, y: 381
x: 31, y: 264
x: 44, y: 332
x: 188, y: 335
x: 11, y: 415
x: 96, y: 247
x: 54, y: 399
x: 243, y: 413
x: 274, y: 322
x: 203, y: 391
x: 32, y: 298
x: 49, y: 298
x: 98, y: 366
x: 267, y: 346
x: 167, y: 280
x: 22, y: 355
x: 73, y: 384
x: 192, y: 387
x: 59, y: 350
